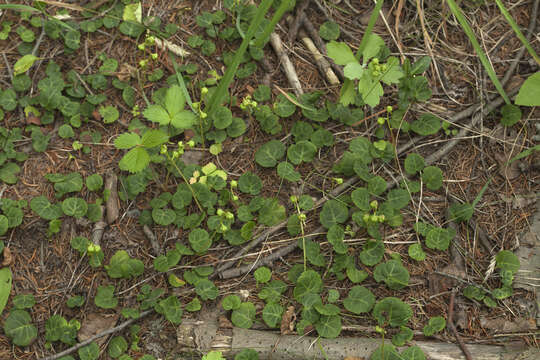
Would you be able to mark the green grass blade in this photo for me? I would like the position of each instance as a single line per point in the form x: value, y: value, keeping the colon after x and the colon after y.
x: 225, y: 81
x: 18, y: 7
x: 369, y: 29
x: 479, y: 51
x: 481, y: 193
x: 518, y: 32
x: 285, y: 6
x: 182, y: 83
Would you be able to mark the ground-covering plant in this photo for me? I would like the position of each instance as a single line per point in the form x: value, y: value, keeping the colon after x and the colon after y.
x: 212, y: 206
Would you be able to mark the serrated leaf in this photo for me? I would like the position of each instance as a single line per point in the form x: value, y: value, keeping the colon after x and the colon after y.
x: 353, y: 70
x: 153, y: 138
x: 249, y: 183
x: 393, y: 273
x: 373, y: 45
x: 127, y: 140
x: 439, y: 238
x: 340, y: 52
x: 174, y: 100
x: 432, y: 176
x: 158, y: 114
x: 286, y: 171
x: 333, y: 212
x: 137, y: 159
x: 171, y: 308
x: 89, y: 352
x: 199, y: 240
x: 19, y: 328
x: 309, y: 282
x: 117, y: 346
x: 329, y: 30
x: 372, y: 253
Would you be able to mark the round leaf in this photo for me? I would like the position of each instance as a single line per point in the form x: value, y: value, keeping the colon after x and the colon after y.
x: 359, y: 300
x: 333, y: 212
x: 286, y: 171
x: 199, y: 240
x: 392, y: 311
x: 270, y: 153
x: 250, y: 183
x: 271, y: 315
x: 427, y: 124
x: 244, y: 316
x: 414, y: 163
x: 75, y: 207
x: 329, y: 326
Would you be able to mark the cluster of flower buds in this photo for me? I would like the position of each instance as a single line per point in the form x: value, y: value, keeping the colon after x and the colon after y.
x: 248, y: 104
x: 148, y: 41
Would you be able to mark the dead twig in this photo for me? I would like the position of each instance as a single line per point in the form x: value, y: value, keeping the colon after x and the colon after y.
x: 452, y: 327
x: 286, y: 64
x: 99, y: 228
x: 295, y: 23
x: 153, y: 240
x: 111, y: 186
x: 97, y: 336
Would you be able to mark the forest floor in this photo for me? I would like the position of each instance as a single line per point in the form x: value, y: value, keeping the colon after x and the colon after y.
x: 40, y: 251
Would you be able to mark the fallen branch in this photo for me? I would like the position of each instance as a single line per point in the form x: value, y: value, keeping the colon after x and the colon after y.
x: 270, y: 345
x: 324, y: 66
x: 97, y: 336
x: 99, y: 228
x: 286, y: 64
x: 153, y: 240
x: 111, y: 187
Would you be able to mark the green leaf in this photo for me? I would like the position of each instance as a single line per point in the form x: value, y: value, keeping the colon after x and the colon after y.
x: 8, y: 173
x: 272, y: 314
x: 109, y: 114
x: 371, y: 90
x: 174, y: 100
x: 432, y: 176
x: 24, y: 301
x: 271, y: 293
x: 413, y: 353
x: 153, y: 138
x: 511, y: 114
x: 123, y: 266
x: 249, y: 183
x: 329, y: 30
x: 244, y: 316
x: 94, y: 182
x: 272, y: 212
x: 283, y: 107
x: 392, y: 311
x: 502, y: 293
x: 199, y: 240
x: 393, y: 273
x: 403, y: 336
x: 421, y: 65
x: 309, y: 282
x: 302, y: 151
x: 393, y: 72
x: 6, y: 279
x: 398, y: 198
x: 427, y: 124
x: 89, y: 352
x: 507, y: 260
x: 529, y: 93
x: 340, y: 52
x: 474, y: 293
x: 158, y: 114
x: 105, y: 297
x: 287, y: 171
x: 231, y: 302
x: 19, y: 329
x: 329, y: 327
x: 127, y: 140
x: 4, y: 226
x: 54, y: 328
x: 117, y: 346
x: 335, y: 236
x: 41, y: 206
x: 439, y: 238
x: 372, y: 253
x: 23, y: 64
x: 171, y: 308
x: 222, y: 117
x: 461, y: 212
x: 372, y: 47
x: 75, y: 301
x: 74, y: 206
x: 414, y: 163
x: 416, y: 252
x: 435, y: 324
x: 164, y: 217
x: 8, y: 99
x: 353, y: 70
x: 377, y: 185
x: 359, y: 300
x: 270, y: 153
x: 262, y: 274
x: 489, y: 302
x: 333, y: 212
x: 137, y: 159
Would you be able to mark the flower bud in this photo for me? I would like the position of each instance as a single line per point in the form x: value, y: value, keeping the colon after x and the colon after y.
x: 381, y: 120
